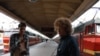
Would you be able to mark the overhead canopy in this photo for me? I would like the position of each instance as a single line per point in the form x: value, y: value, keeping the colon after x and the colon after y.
x: 42, y: 13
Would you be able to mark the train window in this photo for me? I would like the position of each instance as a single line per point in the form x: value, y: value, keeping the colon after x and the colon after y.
x: 90, y: 29
x: 98, y: 28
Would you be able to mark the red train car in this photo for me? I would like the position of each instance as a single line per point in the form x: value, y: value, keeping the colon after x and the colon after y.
x: 6, y: 41
x: 89, y: 38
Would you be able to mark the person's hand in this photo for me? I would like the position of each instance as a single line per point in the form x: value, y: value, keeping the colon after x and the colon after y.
x: 21, y: 40
x: 22, y: 45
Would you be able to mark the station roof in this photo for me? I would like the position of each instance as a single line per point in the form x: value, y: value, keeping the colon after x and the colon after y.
x: 40, y: 14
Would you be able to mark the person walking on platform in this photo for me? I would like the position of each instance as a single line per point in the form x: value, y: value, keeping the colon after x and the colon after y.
x: 68, y: 46
x: 19, y: 42
x: 46, y: 40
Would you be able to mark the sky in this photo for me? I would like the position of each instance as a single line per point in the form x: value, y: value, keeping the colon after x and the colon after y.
x: 88, y: 15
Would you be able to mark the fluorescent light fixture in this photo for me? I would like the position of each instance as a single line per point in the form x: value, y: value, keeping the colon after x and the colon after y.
x: 57, y: 35
x: 36, y: 32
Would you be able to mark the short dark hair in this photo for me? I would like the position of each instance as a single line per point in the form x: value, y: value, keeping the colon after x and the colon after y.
x: 22, y: 24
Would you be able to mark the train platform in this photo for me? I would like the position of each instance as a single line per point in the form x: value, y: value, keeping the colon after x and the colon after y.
x: 42, y: 49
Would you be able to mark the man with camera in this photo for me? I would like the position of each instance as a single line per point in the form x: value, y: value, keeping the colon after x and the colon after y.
x: 19, y: 42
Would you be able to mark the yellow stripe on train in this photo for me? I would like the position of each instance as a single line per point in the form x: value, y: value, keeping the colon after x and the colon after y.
x: 91, y: 52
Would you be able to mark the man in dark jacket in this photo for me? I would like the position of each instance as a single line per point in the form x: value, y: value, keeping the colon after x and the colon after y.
x: 68, y: 45
x: 19, y: 42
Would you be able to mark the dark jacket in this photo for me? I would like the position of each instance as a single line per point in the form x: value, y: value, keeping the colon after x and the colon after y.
x: 14, y: 43
x: 68, y: 47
